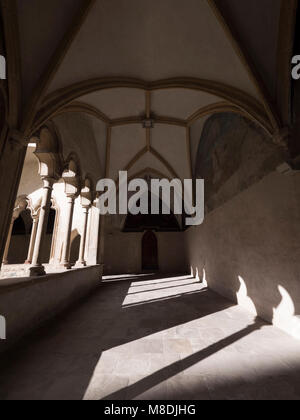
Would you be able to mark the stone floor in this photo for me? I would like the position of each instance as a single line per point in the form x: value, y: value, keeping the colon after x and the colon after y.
x: 153, y: 338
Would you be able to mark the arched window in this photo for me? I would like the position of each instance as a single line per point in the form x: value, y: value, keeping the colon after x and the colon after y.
x: 51, y: 222
x: 49, y: 236
x: 20, y: 238
x: 19, y: 227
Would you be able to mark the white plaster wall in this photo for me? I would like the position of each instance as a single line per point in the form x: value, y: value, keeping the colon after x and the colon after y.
x: 249, y: 250
x: 117, y: 102
x: 30, y: 179
x: 180, y: 103
x: 126, y: 142
x: 80, y: 134
x: 170, y: 142
x: 175, y: 38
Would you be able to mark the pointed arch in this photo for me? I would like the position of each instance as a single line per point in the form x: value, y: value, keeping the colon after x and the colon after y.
x: 56, y: 101
x: 170, y: 168
x: 225, y: 107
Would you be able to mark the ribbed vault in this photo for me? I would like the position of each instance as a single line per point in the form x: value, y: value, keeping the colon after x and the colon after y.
x: 122, y: 63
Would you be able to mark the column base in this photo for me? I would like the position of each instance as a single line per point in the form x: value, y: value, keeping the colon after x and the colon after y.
x: 81, y: 264
x: 5, y: 262
x: 37, y: 271
x: 66, y: 266
x: 27, y: 262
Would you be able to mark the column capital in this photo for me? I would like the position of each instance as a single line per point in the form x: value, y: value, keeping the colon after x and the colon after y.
x: 86, y: 206
x: 48, y: 181
x: 71, y: 197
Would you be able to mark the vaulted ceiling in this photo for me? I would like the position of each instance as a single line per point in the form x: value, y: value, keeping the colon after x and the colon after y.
x: 174, y: 62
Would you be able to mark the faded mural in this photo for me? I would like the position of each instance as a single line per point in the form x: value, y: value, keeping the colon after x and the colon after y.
x: 233, y: 154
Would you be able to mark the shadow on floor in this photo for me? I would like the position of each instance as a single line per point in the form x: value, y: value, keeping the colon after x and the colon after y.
x: 71, y: 346
x: 59, y: 360
x: 178, y: 367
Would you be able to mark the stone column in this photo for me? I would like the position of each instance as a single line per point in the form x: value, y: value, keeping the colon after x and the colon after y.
x: 94, y: 236
x: 67, y: 239
x: 81, y: 262
x: 37, y: 268
x: 35, y: 220
x: 7, y: 246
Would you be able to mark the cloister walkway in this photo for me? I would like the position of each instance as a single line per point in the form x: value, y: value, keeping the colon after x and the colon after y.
x: 153, y: 338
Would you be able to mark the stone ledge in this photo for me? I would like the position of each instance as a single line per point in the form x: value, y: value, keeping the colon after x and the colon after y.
x: 12, y: 283
x: 27, y: 303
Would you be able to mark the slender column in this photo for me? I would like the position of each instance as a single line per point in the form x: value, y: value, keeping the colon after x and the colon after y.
x: 37, y: 269
x: 7, y: 246
x: 81, y: 261
x: 67, y: 241
x: 35, y: 223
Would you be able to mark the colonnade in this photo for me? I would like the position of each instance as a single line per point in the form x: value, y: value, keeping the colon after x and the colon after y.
x: 40, y: 222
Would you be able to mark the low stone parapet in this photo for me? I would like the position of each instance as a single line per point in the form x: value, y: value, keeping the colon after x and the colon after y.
x: 27, y: 303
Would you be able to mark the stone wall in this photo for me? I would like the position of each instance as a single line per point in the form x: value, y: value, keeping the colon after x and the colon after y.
x: 248, y: 246
x: 27, y: 303
x: 123, y: 253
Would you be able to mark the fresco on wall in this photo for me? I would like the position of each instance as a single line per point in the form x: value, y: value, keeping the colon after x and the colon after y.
x: 233, y: 154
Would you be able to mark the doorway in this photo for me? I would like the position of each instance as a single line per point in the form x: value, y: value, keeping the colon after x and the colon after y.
x: 149, y: 252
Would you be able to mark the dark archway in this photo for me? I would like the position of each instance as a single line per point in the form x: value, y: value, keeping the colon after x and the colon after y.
x: 75, y: 246
x: 149, y: 252
x: 49, y: 236
x: 20, y: 238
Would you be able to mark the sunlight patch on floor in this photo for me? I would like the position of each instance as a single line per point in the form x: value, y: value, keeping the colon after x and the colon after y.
x: 208, y: 355
x: 165, y: 288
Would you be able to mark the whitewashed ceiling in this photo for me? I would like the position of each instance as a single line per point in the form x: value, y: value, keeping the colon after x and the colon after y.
x: 146, y: 41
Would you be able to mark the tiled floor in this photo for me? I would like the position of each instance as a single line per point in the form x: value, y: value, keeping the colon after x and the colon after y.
x: 154, y: 338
